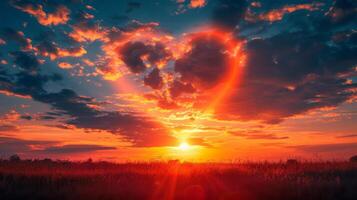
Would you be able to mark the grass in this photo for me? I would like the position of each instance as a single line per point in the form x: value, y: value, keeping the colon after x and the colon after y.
x: 106, y: 181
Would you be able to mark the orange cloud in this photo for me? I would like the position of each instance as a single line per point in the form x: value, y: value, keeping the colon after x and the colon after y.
x: 278, y: 14
x: 72, y: 52
x: 51, y: 50
x: 82, y: 32
x: 65, y: 65
x: 10, y: 116
x: 115, y: 40
x: 191, y: 4
x: 8, y: 93
x: 88, y: 62
x: 197, y: 3
x: 59, y: 16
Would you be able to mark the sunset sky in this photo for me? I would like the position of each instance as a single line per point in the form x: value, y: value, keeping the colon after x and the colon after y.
x: 195, y: 80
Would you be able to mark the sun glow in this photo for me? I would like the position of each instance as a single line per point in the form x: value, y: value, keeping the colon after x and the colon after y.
x: 184, y: 146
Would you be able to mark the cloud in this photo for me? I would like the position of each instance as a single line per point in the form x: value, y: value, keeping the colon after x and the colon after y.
x: 183, y: 5
x: 10, y: 116
x: 278, y: 14
x: 205, y: 64
x: 138, y: 129
x: 153, y: 79
x: 75, y: 148
x: 347, y: 136
x: 134, y: 47
x: 197, y: 3
x: 289, y: 74
x: 8, y: 128
x: 177, y: 88
x: 59, y: 16
x: 322, y: 148
x: 17, y: 36
x: 65, y: 65
x: 26, y: 61
x: 87, y: 30
x: 141, y: 131
x: 83, y: 112
x: 342, y: 11
x: 10, y: 146
x: 136, y: 54
x: 51, y: 50
x: 258, y: 135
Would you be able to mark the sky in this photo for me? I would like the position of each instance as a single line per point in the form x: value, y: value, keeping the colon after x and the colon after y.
x: 194, y: 80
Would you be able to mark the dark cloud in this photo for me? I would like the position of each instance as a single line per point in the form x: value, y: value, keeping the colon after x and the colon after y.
x: 289, y: 74
x: 8, y: 128
x: 29, y: 84
x: 322, y: 148
x: 49, y: 48
x: 83, y: 111
x: 154, y: 79
x: 28, y: 81
x: 26, y: 117
x: 17, y: 36
x: 140, y: 130
x: 47, y: 117
x: 342, y: 12
x: 258, y: 135
x: 133, y: 53
x: 205, y: 64
x: 69, y: 102
x: 115, y: 34
x: 347, y: 136
x: 10, y: 146
x: 26, y: 61
x: 177, y: 88
x: 75, y: 148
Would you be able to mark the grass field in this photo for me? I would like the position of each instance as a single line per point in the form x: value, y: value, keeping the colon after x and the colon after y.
x: 46, y: 179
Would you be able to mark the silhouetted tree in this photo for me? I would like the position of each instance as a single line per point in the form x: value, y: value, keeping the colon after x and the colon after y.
x: 353, y: 158
x: 292, y: 162
x: 47, y: 160
x: 15, y: 158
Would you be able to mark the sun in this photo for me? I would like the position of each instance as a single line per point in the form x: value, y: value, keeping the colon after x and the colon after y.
x: 184, y: 146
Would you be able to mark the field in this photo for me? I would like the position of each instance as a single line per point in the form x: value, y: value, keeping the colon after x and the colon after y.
x: 47, y: 179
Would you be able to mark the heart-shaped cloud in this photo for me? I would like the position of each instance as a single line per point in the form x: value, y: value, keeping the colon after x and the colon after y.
x: 193, y: 71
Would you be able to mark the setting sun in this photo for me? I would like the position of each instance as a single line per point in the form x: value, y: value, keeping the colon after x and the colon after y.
x: 184, y: 146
